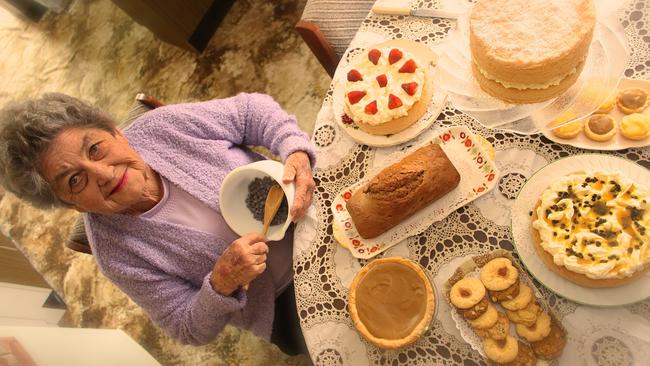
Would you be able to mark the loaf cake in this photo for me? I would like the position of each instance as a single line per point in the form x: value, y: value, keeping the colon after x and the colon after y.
x: 526, y: 51
x: 388, y: 87
x: 402, y: 189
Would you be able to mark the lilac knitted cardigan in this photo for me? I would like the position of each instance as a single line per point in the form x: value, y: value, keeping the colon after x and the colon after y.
x: 165, y: 268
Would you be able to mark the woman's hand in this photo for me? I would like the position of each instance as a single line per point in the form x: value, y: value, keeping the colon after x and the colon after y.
x: 298, y: 168
x: 240, y: 263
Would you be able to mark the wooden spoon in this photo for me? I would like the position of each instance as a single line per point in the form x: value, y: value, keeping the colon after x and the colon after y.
x: 273, y: 201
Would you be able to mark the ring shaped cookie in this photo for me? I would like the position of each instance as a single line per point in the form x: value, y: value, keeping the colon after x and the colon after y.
x: 499, y: 274
x: 487, y: 320
x: 499, y: 330
x: 501, y: 351
x: 521, y: 300
x: 467, y: 293
x: 537, y: 331
x: 526, y: 316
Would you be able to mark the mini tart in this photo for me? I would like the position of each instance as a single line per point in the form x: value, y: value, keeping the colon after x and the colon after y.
x: 632, y: 100
x: 607, y: 105
x: 635, y: 126
x: 391, y: 302
x: 600, y: 127
x: 569, y: 130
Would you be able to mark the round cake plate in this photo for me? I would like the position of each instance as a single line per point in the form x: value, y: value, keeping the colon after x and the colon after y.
x: 618, y: 142
x: 522, y: 233
x: 603, y: 68
x: 434, y: 109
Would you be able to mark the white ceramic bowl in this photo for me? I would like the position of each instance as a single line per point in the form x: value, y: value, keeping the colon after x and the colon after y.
x: 232, y: 198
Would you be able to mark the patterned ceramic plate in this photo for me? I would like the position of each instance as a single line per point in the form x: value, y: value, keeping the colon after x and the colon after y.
x: 618, y: 142
x: 478, y: 175
x: 522, y: 230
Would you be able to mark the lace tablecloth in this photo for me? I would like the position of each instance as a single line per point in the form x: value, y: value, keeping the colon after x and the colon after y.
x: 324, y: 269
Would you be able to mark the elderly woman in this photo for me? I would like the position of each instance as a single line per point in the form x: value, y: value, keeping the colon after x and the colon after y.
x: 149, y: 196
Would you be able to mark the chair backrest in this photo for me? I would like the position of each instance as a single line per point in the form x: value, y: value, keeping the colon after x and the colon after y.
x: 327, y: 27
x: 78, y: 240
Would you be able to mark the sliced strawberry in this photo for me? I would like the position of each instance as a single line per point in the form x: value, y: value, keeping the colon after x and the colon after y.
x: 394, y: 101
x: 373, y: 55
x: 408, y: 67
x: 371, y: 108
x: 410, y: 88
x: 346, y: 119
x: 382, y: 80
x: 354, y: 75
x: 394, y: 56
x: 355, y: 96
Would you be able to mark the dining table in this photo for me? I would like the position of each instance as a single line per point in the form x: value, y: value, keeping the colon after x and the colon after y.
x: 324, y: 269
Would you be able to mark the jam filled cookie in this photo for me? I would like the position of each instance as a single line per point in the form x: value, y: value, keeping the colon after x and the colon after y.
x: 476, y: 310
x: 633, y: 100
x: 550, y: 347
x: 635, y: 126
x: 507, y: 294
x: 521, y: 300
x: 600, y: 127
x: 525, y: 356
x: 466, y: 293
x: 526, y: 316
x: 487, y: 320
x: 499, y: 274
x: 569, y: 130
x: 501, y: 351
x: 537, y: 331
x: 498, y: 331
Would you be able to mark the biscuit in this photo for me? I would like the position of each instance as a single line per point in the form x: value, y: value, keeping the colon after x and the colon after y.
x: 466, y: 293
x: 521, y: 300
x: 550, y: 347
x: 507, y: 294
x: 499, y: 274
x: 600, y: 127
x: 537, y: 331
x: 635, y: 126
x: 633, y: 100
x: 501, y: 351
x: 526, y: 316
x: 569, y: 130
x: 487, y: 320
x: 498, y: 331
x: 525, y: 356
x: 476, y: 310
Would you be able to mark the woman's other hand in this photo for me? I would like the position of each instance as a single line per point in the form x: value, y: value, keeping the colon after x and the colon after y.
x: 240, y: 263
x: 298, y: 168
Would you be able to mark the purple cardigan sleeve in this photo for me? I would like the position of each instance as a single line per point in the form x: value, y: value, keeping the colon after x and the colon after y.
x: 247, y: 119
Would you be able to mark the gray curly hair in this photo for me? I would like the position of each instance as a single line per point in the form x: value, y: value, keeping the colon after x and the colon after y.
x: 26, y: 130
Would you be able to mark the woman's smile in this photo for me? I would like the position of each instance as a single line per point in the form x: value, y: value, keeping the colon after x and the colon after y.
x: 121, y: 183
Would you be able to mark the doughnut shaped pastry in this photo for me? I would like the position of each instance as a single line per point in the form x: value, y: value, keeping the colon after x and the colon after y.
x: 501, y: 351
x: 537, y: 331
x: 467, y: 293
x: 521, y: 300
x: 635, y: 126
x: 499, y: 274
x: 632, y: 100
x: 487, y: 320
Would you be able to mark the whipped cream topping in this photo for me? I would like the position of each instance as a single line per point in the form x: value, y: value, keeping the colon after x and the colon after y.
x: 552, y: 82
x: 596, y: 224
x: 375, y: 92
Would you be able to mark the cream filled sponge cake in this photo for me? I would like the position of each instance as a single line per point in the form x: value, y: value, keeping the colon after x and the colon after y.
x: 526, y: 51
x: 593, y: 229
x: 387, y: 89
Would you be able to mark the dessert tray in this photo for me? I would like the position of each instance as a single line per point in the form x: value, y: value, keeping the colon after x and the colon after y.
x: 471, y: 268
x: 478, y: 175
x: 604, y: 66
x: 435, y: 106
x: 522, y: 231
x: 618, y: 142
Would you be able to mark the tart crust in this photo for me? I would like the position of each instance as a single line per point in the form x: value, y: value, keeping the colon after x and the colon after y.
x: 419, y: 328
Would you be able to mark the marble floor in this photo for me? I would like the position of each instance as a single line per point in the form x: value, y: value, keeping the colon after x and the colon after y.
x: 93, y: 50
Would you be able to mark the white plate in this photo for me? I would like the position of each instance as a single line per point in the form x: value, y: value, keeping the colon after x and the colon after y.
x: 618, y: 142
x: 526, y: 201
x: 478, y: 175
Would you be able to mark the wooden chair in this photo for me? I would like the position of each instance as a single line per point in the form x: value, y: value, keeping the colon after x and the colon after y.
x: 78, y: 241
x: 327, y: 27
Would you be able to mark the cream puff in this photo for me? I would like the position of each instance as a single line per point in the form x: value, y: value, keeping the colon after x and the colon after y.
x: 635, y: 126
x: 632, y: 100
x: 600, y: 127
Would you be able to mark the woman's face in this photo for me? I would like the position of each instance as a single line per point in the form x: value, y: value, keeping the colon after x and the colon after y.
x: 95, y: 171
